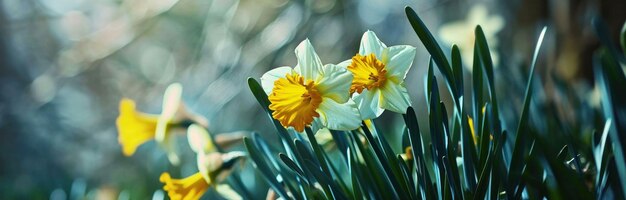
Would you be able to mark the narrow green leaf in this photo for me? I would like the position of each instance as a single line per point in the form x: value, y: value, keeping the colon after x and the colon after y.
x: 375, y: 168
x: 408, y: 177
x: 457, y: 68
x: 261, y: 97
x: 417, y: 149
x: 259, y: 163
x: 562, y: 154
x: 477, y: 85
x: 382, y: 159
x: 433, y: 48
x: 519, y: 149
x: 318, y: 151
x: 321, y: 177
x: 392, y: 162
x: 454, y: 184
x: 487, y: 63
x: 468, y: 150
x: 483, y: 181
x: 428, y: 82
x: 292, y: 165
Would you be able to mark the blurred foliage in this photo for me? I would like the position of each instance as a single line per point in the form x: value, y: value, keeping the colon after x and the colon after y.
x: 64, y: 66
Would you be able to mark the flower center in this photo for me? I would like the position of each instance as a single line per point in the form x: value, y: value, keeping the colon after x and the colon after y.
x: 294, y: 101
x: 368, y: 72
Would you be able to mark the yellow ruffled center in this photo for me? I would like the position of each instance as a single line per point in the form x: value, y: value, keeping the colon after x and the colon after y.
x: 294, y: 101
x: 134, y: 128
x: 368, y: 71
x: 190, y: 188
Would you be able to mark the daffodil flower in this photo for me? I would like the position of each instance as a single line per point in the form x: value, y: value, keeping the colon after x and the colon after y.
x: 310, y: 91
x: 461, y: 32
x: 379, y: 73
x: 136, y: 128
x: 213, y: 169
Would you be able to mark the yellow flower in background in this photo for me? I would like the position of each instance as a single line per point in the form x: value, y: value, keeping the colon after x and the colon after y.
x: 379, y: 73
x: 213, y: 169
x: 310, y: 91
x: 192, y: 187
x: 136, y: 128
x: 462, y: 34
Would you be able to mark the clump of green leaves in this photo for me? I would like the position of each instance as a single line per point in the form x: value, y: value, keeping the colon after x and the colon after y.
x: 512, y: 158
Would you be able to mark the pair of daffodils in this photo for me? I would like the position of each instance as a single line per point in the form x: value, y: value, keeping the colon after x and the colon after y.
x: 340, y: 96
x: 136, y: 128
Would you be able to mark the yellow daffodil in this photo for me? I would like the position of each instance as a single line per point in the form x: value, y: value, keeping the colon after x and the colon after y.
x: 310, y: 91
x: 461, y: 32
x: 189, y: 188
x: 213, y: 169
x: 379, y: 73
x: 136, y: 128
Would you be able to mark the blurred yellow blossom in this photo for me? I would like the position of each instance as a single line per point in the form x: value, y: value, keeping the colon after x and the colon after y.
x: 136, y: 128
x: 189, y: 188
x: 213, y: 169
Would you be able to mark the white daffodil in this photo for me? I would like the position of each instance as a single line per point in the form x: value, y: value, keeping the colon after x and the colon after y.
x: 462, y: 34
x: 310, y: 91
x: 136, y: 128
x: 379, y: 73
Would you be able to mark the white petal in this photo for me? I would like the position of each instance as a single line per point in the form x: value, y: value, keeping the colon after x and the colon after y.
x: 171, y: 100
x: 338, y: 116
x: 335, y: 83
x: 308, y: 61
x: 398, y: 60
x: 394, y: 97
x: 371, y: 44
x: 268, y: 79
x: 368, y: 103
x: 171, y: 105
x: 345, y: 63
x: 199, y: 139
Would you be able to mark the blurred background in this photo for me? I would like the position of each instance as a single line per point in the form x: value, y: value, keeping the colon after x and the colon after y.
x: 65, y: 64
